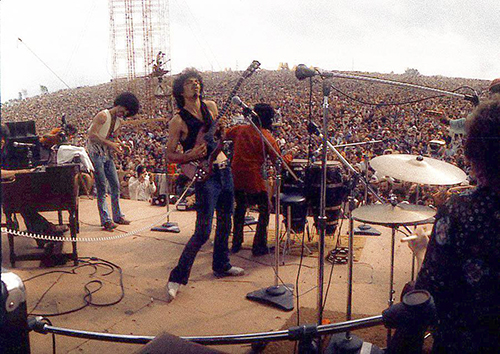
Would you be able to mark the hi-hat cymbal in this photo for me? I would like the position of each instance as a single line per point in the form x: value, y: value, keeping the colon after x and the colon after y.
x: 418, y: 169
x: 387, y: 214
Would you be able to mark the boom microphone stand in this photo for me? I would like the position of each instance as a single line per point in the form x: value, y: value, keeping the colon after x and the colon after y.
x: 168, y: 226
x: 277, y: 295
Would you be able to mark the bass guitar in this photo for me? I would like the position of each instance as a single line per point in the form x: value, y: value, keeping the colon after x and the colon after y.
x: 200, y: 170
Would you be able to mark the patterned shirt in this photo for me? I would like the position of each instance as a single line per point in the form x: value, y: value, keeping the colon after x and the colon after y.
x: 461, y: 270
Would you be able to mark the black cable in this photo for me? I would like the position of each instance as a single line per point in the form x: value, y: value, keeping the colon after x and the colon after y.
x: 331, y: 269
x: 87, y: 298
x: 309, y: 144
x: 298, y: 276
x: 383, y: 104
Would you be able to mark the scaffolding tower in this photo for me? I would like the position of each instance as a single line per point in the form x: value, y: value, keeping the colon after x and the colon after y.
x: 140, y: 51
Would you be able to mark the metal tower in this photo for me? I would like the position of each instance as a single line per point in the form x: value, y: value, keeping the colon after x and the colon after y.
x: 140, y: 50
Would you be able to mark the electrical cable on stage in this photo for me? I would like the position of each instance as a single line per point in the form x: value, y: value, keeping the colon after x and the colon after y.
x: 383, y: 104
x: 93, y: 262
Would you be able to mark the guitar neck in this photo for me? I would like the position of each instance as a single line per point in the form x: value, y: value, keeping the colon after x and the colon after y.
x: 226, y: 105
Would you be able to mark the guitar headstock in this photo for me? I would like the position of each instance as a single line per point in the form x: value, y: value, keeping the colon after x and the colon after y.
x: 251, y: 69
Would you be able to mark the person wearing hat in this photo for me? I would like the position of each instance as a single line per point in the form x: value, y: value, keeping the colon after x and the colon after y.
x: 457, y: 126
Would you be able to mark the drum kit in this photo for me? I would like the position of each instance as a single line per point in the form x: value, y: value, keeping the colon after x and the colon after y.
x: 303, y: 195
x: 406, y: 168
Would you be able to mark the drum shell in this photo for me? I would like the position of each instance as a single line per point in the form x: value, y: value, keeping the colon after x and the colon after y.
x: 289, y: 185
x: 336, y: 193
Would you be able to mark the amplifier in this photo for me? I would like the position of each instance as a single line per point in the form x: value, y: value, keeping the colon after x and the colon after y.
x: 161, y: 200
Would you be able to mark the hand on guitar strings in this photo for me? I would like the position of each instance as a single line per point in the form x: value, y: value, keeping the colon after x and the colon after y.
x: 198, y: 152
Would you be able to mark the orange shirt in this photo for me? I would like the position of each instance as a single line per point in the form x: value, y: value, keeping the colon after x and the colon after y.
x: 248, y: 157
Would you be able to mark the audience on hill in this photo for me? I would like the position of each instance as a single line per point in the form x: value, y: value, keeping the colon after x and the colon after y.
x: 405, y: 128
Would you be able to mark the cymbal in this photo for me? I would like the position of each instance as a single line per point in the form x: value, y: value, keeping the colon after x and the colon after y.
x: 387, y: 214
x: 418, y: 169
x: 298, y: 162
x: 328, y: 163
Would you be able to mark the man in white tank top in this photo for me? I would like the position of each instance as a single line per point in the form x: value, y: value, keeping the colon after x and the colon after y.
x: 102, y: 143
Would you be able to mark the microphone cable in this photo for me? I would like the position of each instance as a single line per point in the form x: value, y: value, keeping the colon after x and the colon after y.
x: 93, y: 262
x: 384, y: 104
x: 309, y: 144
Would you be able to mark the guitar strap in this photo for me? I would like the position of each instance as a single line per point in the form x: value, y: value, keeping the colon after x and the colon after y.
x: 111, y: 127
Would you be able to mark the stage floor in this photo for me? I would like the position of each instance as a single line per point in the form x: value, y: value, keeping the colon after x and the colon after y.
x: 207, y: 305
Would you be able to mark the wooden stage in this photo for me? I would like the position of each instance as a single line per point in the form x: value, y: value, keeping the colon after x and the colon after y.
x: 207, y: 305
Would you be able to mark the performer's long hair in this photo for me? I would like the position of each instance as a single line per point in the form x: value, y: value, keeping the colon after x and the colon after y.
x: 482, y: 145
x: 266, y: 115
x: 178, y: 85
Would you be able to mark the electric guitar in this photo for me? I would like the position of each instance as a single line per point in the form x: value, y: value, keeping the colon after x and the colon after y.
x: 200, y: 170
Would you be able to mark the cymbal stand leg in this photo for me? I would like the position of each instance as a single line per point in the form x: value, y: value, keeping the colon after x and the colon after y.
x: 414, y: 257
x: 391, y: 280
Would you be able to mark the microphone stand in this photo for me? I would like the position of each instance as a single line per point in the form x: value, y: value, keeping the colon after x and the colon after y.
x: 365, y: 229
x: 168, y: 226
x: 329, y: 74
x: 280, y: 296
x: 322, y: 203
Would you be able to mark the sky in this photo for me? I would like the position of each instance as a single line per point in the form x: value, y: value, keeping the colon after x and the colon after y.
x: 67, y: 42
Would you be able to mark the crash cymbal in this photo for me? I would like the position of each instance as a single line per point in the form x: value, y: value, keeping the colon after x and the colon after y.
x: 298, y: 162
x: 418, y: 169
x: 387, y: 214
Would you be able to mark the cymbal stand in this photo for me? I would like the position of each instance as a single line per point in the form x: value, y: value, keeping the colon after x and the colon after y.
x: 365, y: 229
x: 414, y: 257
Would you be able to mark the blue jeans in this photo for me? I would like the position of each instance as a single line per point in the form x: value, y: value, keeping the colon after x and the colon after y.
x: 105, y: 169
x: 215, y: 194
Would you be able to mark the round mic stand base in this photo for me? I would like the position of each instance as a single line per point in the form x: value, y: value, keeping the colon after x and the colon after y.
x: 341, y: 344
x: 170, y: 226
x: 280, y: 296
x: 366, y: 230
x: 167, y: 227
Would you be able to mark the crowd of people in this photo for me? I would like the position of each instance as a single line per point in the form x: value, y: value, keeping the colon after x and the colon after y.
x: 404, y: 128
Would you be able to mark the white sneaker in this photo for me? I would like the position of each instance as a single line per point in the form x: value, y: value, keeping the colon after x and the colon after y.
x: 231, y: 272
x: 172, y: 289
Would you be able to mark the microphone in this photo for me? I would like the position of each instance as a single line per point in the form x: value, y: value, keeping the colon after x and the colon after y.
x: 18, y: 144
x: 303, y: 72
x: 472, y: 98
x: 246, y: 110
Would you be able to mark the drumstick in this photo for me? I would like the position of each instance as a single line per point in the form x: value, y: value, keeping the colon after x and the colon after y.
x: 409, y: 238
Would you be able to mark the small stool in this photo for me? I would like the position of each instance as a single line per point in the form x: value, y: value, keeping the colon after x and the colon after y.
x: 295, y: 216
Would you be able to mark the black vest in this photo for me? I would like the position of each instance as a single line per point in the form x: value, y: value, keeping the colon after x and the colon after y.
x: 194, y: 125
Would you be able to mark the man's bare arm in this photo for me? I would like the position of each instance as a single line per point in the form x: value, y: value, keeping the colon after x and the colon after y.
x: 97, y: 123
x: 175, y: 131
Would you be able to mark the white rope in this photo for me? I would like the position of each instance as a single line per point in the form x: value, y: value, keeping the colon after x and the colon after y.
x: 96, y: 239
x: 80, y: 239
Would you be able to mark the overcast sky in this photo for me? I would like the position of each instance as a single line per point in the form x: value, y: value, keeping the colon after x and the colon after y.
x: 457, y: 38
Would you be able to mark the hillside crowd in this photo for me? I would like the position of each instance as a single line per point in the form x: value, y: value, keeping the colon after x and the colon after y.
x: 359, y: 111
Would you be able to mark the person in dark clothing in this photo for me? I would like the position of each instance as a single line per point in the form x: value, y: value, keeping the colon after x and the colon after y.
x: 213, y: 194
x: 461, y: 268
